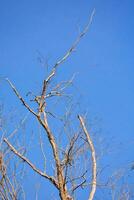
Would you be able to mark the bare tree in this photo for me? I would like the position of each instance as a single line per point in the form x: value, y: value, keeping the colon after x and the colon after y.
x: 67, y: 157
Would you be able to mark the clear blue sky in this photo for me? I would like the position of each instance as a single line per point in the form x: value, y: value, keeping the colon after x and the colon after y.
x: 104, y: 59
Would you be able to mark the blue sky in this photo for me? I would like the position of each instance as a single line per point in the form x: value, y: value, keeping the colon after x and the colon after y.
x: 104, y: 59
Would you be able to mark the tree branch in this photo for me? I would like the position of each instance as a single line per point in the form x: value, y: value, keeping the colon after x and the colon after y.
x: 20, y: 98
x: 69, y: 52
x: 91, y: 146
x: 51, y: 179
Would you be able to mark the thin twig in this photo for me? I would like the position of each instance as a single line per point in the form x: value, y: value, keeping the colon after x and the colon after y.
x: 42, y: 149
x: 18, y: 126
x: 79, y: 185
x: 20, y: 98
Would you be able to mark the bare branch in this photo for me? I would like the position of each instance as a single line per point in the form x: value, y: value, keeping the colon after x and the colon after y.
x: 77, y: 178
x: 68, y: 53
x: 91, y: 146
x: 18, y: 126
x: 51, y: 179
x: 42, y: 149
x: 68, y: 157
x: 20, y: 98
x: 79, y: 185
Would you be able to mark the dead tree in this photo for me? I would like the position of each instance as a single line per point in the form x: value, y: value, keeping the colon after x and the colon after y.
x: 62, y: 180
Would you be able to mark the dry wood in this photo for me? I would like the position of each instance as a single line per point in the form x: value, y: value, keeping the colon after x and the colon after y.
x: 91, y: 146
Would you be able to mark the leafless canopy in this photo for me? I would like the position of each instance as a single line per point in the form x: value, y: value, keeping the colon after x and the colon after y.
x: 63, y: 178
